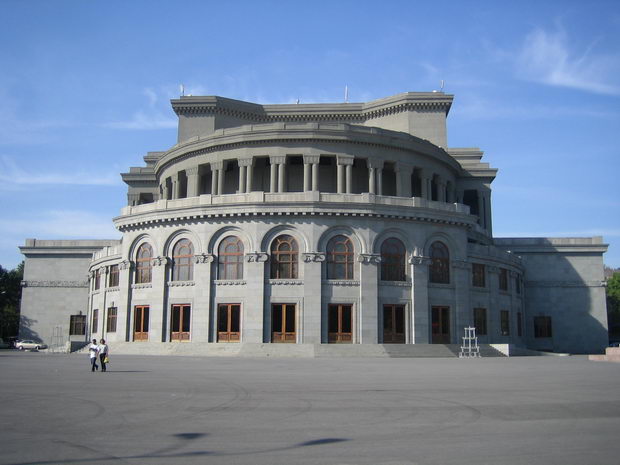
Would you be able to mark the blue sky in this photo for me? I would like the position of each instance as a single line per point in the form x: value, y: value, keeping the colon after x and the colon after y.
x: 85, y: 89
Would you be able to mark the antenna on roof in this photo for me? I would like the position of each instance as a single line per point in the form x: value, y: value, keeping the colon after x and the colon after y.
x: 346, y: 94
x: 182, y: 89
x: 442, y: 83
x: 297, y: 102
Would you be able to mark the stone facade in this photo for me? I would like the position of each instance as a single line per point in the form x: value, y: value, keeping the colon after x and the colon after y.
x: 327, y: 223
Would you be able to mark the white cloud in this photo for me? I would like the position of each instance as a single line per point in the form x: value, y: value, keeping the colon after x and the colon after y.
x: 12, y: 177
x: 546, y: 57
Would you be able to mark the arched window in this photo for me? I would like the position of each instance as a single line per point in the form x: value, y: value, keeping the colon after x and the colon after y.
x: 182, y: 264
x: 440, y: 263
x: 230, y: 258
x: 143, y: 264
x: 284, y: 258
x: 392, y: 260
x: 340, y: 258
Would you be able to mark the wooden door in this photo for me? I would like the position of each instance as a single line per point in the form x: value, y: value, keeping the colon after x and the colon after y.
x: 141, y: 323
x: 229, y: 323
x: 180, y: 323
x: 440, y: 325
x: 393, y: 324
x: 283, y: 323
x: 340, y: 323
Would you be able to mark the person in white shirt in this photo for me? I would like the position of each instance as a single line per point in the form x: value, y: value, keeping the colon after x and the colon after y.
x: 103, y: 353
x: 93, y: 350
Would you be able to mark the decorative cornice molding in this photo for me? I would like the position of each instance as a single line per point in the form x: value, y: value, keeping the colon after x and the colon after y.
x: 258, y: 257
x: 286, y: 282
x: 204, y: 258
x: 229, y: 282
x: 159, y: 261
x: 419, y: 260
x: 181, y: 283
x: 36, y: 283
x: 310, y: 159
x: 396, y: 283
x: 125, y: 265
x: 315, y: 257
x: 142, y: 286
x: 571, y: 284
x: 369, y: 258
x: 341, y: 282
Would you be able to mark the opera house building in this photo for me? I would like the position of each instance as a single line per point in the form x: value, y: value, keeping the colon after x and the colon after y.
x: 302, y: 228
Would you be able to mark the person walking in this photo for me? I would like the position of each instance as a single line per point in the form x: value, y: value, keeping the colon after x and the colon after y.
x: 103, y: 354
x: 93, y: 349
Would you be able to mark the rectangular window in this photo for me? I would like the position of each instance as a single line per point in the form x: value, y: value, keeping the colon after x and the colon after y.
x: 113, y: 279
x: 77, y: 325
x: 542, y: 326
x: 480, y: 321
x: 111, y: 323
x: 519, y: 324
x: 505, y: 322
x: 478, y: 275
x: 503, y: 279
x: 95, y: 325
x: 97, y: 279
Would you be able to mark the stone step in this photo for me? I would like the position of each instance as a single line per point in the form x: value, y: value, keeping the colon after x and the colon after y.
x: 612, y: 354
x: 295, y: 350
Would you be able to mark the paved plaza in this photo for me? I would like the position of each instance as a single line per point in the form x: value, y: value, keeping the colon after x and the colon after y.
x: 199, y: 410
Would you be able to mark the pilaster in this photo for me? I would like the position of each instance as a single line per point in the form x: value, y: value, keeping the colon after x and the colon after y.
x: 311, y: 324
x: 202, y: 311
x: 420, y: 311
x: 158, y: 324
x: 369, y: 298
x: 192, y: 181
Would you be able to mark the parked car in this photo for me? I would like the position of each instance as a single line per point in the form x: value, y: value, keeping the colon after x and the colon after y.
x: 3, y: 345
x: 28, y: 344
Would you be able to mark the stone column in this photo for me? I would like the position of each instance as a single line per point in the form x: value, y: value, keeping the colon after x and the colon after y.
x: 461, y: 276
x: 242, y: 176
x: 441, y: 190
x: 420, y: 311
x: 307, y: 176
x: 425, y: 194
x: 201, y: 308
x: 379, y: 181
x: 345, y: 166
x: 368, y: 315
x: 405, y: 175
x: 193, y: 184
x: 220, y: 179
x: 217, y: 177
x: 480, y: 208
x: 487, y: 203
x: 250, y: 176
x: 282, y: 176
x: 460, y: 194
x: 175, y: 186
x: 123, y: 304
x: 245, y: 165
x: 158, y: 311
x: 315, y: 176
x: 253, y: 309
x: 312, y: 311
x: 133, y: 199
x: 374, y: 176
x: 273, y: 175
x: 339, y: 178
x: 311, y: 172
x: 399, y: 180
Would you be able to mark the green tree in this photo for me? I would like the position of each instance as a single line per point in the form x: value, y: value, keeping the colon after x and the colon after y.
x: 10, y: 296
x: 613, y: 306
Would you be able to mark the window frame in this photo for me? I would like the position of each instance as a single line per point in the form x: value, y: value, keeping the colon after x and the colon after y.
x: 113, y: 276
x: 478, y: 275
x: 393, y: 265
x: 480, y: 314
x: 144, y: 271
x: 95, y: 321
x: 224, y: 262
x: 182, y: 264
x: 504, y: 322
x: 439, y: 269
x: 77, y: 325
x: 503, y: 279
x: 333, y: 258
x: 543, y: 327
x: 111, y: 319
x: 280, y: 267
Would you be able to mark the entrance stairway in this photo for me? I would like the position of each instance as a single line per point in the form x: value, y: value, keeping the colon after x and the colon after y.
x: 296, y: 350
